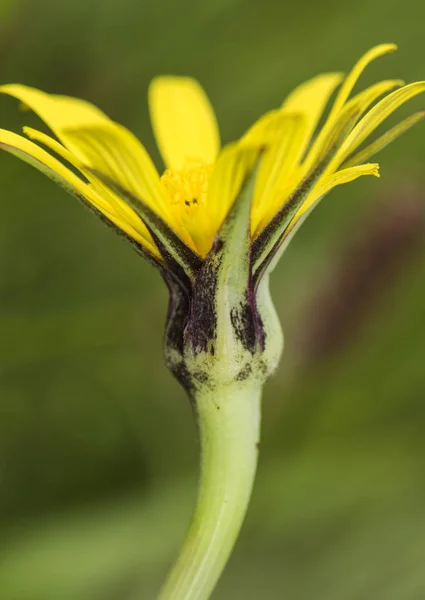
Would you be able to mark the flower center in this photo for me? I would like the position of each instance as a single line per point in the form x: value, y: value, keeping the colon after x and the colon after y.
x: 188, y: 190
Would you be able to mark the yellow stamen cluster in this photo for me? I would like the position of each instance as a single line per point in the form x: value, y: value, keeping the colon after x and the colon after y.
x: 188, y: 188
x: 187, y: 191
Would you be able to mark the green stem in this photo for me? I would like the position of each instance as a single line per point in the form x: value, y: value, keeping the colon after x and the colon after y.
x: 229, y: 427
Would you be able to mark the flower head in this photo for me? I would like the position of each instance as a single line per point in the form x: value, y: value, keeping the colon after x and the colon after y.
x: 188, y: 220
x: 201, y: 180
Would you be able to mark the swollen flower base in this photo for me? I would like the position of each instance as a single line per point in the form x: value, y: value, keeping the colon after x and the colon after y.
x: 214, y: 225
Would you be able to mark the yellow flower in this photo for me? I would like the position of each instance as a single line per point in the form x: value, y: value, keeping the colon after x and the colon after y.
x: 201, y: 180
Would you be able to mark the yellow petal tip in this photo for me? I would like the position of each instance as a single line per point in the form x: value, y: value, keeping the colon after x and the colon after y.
x: 385, y: 48
x: 171, y: 84
x: 28, y: 131
x: 375, y: 171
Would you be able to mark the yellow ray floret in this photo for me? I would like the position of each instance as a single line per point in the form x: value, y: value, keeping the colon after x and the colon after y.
x: 184, y: 121
x: 198, y: 187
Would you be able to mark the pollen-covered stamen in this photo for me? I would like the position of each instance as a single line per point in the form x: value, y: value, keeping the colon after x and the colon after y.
x: 188, y: 190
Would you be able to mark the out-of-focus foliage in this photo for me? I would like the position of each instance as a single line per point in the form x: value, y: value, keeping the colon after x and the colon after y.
x: 98, y: 454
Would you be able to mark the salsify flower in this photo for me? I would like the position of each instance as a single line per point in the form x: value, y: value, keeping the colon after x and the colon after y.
x: 214, y: 224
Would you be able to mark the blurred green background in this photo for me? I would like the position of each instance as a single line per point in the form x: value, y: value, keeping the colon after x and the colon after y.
x: 98, y: 451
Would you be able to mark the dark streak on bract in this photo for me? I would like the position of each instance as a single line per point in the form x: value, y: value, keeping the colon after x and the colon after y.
x: 243, y: 321
x: 202, y: 326
x: 178, y: 310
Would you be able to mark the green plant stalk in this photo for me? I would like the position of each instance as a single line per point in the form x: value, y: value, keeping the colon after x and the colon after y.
x: 229, y: 429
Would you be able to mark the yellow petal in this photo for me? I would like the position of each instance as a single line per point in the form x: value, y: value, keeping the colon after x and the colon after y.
x: 43, y: 161
x: 364, y: 99
x: 52, y: 144
x: 338, y: 178
x: 276, y: 165
x: 55, y: 170
x: 385, y: 139
x: 318, y: 160
x: 122, y: 159
x: 230, y: 171
x: 311, y: 98
x: 377, y: 115
x: 263, y: 131
x: 350, y: 114
x: 183, y: 121
x: 97, y: 141
x: 106, y: 200
x: 355, y: 73
x: 58, y: 112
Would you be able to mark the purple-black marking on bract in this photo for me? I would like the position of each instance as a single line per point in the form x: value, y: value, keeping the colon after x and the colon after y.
x: 244, y: 319
x: 177, y: 316
x: 202, y: 325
